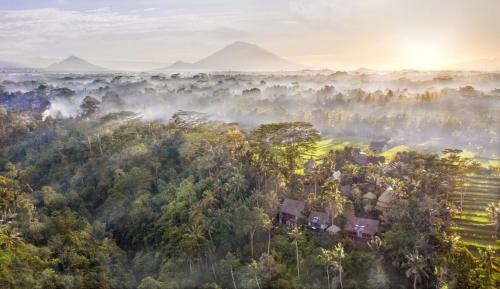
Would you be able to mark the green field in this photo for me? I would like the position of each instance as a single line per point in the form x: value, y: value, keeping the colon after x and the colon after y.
x: 391, y: 153
x: 473, y: 224
x: 324, y: 146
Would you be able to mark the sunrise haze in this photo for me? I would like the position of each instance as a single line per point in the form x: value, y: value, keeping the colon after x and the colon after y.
x: 151, y: 34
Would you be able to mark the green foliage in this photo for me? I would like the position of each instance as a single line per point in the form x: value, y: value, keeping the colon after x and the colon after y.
x: 120, y: 203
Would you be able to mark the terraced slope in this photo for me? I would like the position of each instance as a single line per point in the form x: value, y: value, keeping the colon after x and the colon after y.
x: 473, y: 224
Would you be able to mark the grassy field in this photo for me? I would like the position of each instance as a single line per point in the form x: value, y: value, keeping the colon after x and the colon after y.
x: 325, y: 145
x: 391, y: 153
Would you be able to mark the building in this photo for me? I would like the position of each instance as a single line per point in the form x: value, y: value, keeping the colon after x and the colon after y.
x: 290, y: 211
x: 313, y: 189
x: 369, y: 196
x: 310, y: 167
x: 359, y: 157
x: 378, y: 145
x: 346, y: 189
x: 385, y: 199
x: 333, y: 229
x: 361, y: 229
x: 318, y: 221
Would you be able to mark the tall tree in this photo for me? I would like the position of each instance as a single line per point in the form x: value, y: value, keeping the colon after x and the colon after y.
x: 296, y: 234
x: 416, y: 267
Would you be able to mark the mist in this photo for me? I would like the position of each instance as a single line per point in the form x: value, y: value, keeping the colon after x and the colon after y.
x: 430, y: 110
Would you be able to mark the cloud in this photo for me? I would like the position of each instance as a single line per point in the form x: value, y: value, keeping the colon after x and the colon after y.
x: 30, y: 31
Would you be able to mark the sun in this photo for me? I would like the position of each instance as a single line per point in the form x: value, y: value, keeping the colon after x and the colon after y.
x: 427, y: 53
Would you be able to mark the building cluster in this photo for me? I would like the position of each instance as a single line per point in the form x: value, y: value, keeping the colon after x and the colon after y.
x: 296, y: 212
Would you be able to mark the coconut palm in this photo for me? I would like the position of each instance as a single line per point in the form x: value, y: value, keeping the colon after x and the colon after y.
x: 415, y: 265
x: 296, y: 235
x: 487, y: 260
x: 338, y: 256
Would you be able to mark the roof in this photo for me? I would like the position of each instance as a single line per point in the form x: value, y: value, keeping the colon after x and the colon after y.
x: 377, y: 145
x: 361, y: 158
x: 292, y: 207
x: 311, y: 164
x: 369, y: 196
x: 309, y: 189
x: 320, y: 218
x: 345, y: 189
x: 386, y: 198
x: 333, y: 229
x: 366, y: 226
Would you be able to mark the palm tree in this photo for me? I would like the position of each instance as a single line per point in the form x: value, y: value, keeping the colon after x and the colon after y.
x: 326, y: 258
x: 334, y: 200
x: 10, y: 238
x: 334, y: 258
x: 255, y: 267
x: 296, y: 234
x: 488, y: 260
x: 415, y: 267
x: 376, y: 244
x: 192, y: 241
x: 268, y: 225
x: 493, y: 210
x: 338, y: 255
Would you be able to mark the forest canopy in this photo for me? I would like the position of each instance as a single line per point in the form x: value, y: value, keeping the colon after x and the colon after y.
x: 118, y: 202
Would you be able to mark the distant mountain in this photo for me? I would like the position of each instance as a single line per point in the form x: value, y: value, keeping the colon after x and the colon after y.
x: 75, y: 64
x: 239, y: 56
x: 492, y: 64
x: 12, y: 66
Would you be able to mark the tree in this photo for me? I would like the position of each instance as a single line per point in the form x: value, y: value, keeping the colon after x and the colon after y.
x: 378, y: 278
x: 269, y: 268
x: 488, y: 261
x: 326, y: 257
x: 281, y: 145
x: 89, y: 106
x: 334, y: 257
x: 333, y: 199
x: 254, y: 267
x: 416, y: 267
x: 232, y: 262
x: 338, y: 256
x: 10, y: 196
x: 493, y: 210
x: 268, y: 202
x: 296, y: 235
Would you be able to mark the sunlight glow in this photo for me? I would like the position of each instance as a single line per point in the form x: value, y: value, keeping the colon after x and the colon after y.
x: 424, y: 54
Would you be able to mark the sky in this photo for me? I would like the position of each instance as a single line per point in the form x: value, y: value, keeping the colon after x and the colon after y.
x: 335, y: 34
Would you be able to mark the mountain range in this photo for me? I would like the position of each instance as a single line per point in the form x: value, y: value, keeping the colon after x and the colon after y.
x: 239, y: 56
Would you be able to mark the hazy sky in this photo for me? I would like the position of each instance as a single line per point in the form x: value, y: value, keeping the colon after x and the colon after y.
x: 337, y: 34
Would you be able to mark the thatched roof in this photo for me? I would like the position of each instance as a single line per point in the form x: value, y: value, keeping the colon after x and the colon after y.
x: 369, y: 196
x: 292, y: 207
x: 378, y: 145
x: 384, y: 201
x: 345, y: 189
x: 366, y: 226
x: 311, y: 164
x: 333, y: 229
